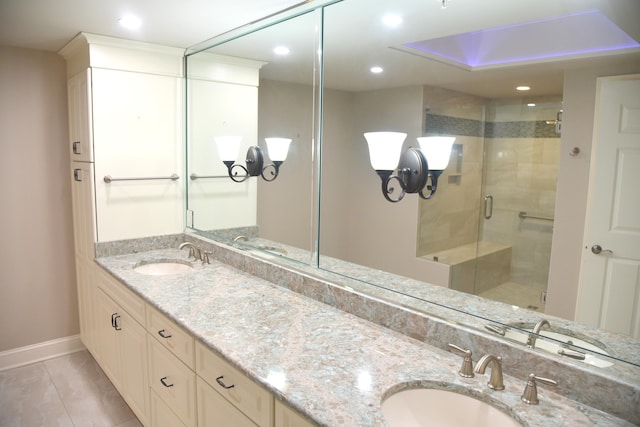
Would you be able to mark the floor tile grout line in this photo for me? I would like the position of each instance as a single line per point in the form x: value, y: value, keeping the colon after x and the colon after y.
x: 64, y: 404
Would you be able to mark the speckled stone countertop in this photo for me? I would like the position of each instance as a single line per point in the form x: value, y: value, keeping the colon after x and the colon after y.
x: 331, y: 366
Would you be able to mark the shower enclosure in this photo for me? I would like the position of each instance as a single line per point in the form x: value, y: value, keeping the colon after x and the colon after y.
x: 492, y: 221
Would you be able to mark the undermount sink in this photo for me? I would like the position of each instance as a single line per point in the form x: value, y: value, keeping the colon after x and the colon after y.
x: 441, y: 408
x: 162, y: 268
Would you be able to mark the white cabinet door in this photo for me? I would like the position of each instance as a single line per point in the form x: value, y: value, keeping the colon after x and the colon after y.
x: 122, y: 353
x: 137, y: 134
x: 161, y: 415
x: 83, y: 209
x: 133, y: 359
x: 86, y: 304
x: 80, y: 126
x: 108, y: 354
x: 215, y: 411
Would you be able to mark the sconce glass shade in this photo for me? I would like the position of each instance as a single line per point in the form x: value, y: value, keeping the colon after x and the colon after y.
x: 437, y: 150
x: 384, y: 149
x: 278, y: 148
x: 228, y: 147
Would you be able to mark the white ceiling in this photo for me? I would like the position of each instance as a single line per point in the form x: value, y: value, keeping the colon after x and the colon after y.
x: 354, y: 27
x: 50, y: 24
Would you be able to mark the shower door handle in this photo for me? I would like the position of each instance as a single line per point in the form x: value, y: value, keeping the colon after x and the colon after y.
x: 488, y: 206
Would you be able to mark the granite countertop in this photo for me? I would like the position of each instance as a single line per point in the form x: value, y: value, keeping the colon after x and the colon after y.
x: 331, y: 366
x: 436, y: 300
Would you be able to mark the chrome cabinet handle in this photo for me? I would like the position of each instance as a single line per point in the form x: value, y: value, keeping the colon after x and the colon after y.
x: 222, y: 384
x: 77, y: 175
x: 163, y: 334
x: 76, y: 147
x: 488, y: 198
x: 163, y: 380
x: 597, y: 249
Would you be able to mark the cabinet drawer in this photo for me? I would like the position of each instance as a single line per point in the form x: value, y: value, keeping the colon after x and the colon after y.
x: 130, y: 302
x: 161, y: 415
x: 215, y: 411
x: 171, y: 336
x: 173, y: 381
x: 254, y: 401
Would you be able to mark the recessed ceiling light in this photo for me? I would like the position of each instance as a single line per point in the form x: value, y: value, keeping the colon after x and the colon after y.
x: 531, y: 105
x: 523, y: 88
x: 376, y: 70
x: 281, y: 50
x: 130, y: 22
x: 392, y: 21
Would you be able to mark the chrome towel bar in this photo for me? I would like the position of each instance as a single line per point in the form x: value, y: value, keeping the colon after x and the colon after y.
x: 108, y: 179
x: 195, y: 176
x: 524, y: 215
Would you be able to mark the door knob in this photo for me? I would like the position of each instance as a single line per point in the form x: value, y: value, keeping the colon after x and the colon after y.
x: 597, y: 249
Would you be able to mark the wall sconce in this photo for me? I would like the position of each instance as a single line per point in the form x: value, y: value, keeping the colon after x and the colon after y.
x: 412, y: 168
x: 229, y: 146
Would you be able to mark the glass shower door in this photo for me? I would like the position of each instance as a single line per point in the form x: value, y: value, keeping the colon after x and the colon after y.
x: 521, y: 157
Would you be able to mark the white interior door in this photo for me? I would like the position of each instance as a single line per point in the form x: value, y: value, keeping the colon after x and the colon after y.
x: 609, y: 293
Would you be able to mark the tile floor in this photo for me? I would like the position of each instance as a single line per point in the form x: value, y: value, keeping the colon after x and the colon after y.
x: 66, y: 391
x: 525, y: 296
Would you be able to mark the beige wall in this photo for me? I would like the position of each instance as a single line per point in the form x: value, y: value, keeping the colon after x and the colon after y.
x: 284, y: 205
x: 37, y: 287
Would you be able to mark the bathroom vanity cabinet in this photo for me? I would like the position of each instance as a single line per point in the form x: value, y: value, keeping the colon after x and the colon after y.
x: 166, y: 376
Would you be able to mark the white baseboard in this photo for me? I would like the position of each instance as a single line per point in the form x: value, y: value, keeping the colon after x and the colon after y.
x: 39, y: 352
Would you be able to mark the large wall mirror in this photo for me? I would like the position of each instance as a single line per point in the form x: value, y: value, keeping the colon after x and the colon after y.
x: 422, y: 68
x: 241, y: 93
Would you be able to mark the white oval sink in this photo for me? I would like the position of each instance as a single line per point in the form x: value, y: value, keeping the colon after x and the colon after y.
x: 164, y: 268
x: 421, y: 407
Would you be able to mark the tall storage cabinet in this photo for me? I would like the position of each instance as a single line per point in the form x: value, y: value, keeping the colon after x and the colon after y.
x: 127, y: 176
x: 126, y: 117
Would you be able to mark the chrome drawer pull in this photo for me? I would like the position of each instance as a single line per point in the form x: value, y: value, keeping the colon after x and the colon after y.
x: 164, y: 382
x: 163, y: 334
x: 222, y: 384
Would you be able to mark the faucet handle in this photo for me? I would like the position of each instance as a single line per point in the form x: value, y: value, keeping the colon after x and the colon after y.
x: 205, y: 257
x: 466, y: 370
x: 530, y: 394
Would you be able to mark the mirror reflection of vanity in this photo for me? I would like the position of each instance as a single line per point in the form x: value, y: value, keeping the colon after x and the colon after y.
x: 325, y: 208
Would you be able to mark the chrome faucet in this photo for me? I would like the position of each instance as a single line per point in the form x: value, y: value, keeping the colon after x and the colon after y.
x: 194, y: 251
x: 243, y: 238
x: 495, y: 381
x: 531, y: 340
